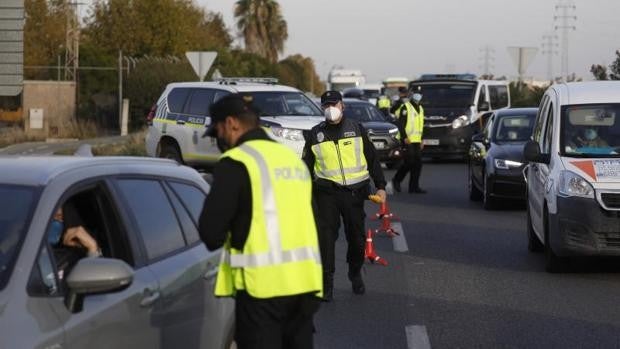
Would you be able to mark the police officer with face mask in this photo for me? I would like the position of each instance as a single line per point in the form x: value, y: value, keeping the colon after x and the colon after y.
x: 259, y: 210
x: 342, y: 161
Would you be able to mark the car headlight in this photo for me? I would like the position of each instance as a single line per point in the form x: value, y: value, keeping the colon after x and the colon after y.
x: 571, y: 184
x: 288, y: 133
x: 393, y: 132
x: 461, y: 121
x: 503, y: 164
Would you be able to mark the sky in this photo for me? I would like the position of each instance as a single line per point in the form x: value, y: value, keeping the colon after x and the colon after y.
x: 411, y: 37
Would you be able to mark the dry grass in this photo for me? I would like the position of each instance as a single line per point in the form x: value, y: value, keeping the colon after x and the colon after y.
x: 14, y: 135
x: 71, y: 129
x: 134, y: 146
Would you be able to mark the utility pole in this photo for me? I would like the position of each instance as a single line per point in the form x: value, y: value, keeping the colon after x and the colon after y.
x: 550, y: 48
x: 565, y: 19
x: 72, y: 41
x: 487, y: 59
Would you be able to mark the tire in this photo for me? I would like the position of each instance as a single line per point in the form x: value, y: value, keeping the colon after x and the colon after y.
x: 533, y: 242
x: 170, y: 151
x: 474, y: 193
x: 488, y: 201
x: 553, y: 263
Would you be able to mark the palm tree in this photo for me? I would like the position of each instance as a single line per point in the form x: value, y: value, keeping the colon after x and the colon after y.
x: 263, y: 28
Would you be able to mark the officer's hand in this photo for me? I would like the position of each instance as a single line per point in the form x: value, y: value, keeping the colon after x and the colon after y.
x: 421, y: 145
x: 407, y: 141
x: 382, y: 194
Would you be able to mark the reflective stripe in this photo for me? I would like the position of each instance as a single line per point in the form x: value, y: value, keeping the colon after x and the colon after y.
x: 273, y: 258
x: 358, y: 151
x: 269, y: 199
x: 319, y: 155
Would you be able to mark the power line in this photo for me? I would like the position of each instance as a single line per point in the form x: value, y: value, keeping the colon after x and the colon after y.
x: 487, y: 57
x: 565, y: 15
x: 550, y: 48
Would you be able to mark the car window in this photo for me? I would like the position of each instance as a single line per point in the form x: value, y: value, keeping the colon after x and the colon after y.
x: 176, y: 99
x: 590, y: 130
x: 540, y: 119
x: 284, y: 103
x: 548, y: 139
x: 16, y: 206
x: 154, y: 216
x: 514, y: 128
x: 219, y: 95
x: 199, y: 102
x: 362, y: 112
x: 483, y: 95
x: 488, y: 127
x: 193, y: 198
x: 498, y: 96
x: 190, y: 228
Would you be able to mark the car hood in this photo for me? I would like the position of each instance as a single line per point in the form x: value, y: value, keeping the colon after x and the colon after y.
x: 509, y: 151
x: 296, y: 122
x: 443, y: 115
x: 378, y: 125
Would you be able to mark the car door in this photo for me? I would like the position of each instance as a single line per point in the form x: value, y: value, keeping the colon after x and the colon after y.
x: 480, y: 151
x: 179, y: 259
x: 537, y: 172
x: 195, y: 117
x: 121, y: 319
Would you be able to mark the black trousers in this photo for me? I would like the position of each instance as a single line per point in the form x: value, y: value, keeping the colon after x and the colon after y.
x: 330, y: 205
x: 412, y: 164
x: 278, y: 323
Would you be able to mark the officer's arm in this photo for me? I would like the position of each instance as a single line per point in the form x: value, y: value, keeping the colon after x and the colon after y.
x: 307, y: 155
x: 395, y: 106
x: 374, y: 166
x: 222, y: 203
x: 401, y: 122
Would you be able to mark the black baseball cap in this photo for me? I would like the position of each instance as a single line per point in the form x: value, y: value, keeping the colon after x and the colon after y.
x: 403, y: 90
x: 230, y: 105
x: 331, y: 97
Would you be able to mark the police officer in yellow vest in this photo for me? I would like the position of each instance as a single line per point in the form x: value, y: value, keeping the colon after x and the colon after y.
x: 410, y: 123
x: 260, y: 210
x: 342, y: 160
x: 384, y: 104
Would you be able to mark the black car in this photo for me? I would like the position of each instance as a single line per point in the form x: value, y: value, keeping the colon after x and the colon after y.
x: 496, y: 160
x: 381, y: 132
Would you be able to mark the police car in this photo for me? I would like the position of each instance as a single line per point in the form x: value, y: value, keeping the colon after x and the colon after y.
x: 178, y: 120
x: 573, y: 178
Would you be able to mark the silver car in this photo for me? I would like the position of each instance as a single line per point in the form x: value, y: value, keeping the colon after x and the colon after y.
x: 151, y: 288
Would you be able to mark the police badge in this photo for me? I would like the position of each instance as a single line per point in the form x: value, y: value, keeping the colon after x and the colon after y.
x: 320, y: 137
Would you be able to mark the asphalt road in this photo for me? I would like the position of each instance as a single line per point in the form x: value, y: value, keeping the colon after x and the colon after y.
x: 468, y: 281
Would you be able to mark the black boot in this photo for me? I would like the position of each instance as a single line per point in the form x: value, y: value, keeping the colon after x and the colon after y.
x: 328, y: 287
x: 357, y: 283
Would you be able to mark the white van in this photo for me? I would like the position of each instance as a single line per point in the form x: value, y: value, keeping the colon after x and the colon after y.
x: 573, y: 178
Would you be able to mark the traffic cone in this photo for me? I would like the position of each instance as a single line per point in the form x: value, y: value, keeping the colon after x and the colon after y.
x: 369, y: 251
x: 386, y: 218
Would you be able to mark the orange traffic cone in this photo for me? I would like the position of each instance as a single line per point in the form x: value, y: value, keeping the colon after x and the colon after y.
x: 369, y: 251
x: 386, y: 218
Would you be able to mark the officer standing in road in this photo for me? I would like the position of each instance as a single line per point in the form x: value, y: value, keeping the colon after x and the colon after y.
x: 410, y: 123
x: 384, y: 104
x: 260, y: 210
x: 342, y: 160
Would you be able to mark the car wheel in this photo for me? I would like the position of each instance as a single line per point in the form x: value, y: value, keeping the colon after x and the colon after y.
x: 170, y: 151
x: 488, y: 201
x: 533, y: 242
x: 474, y: 193
x: 553, y: 263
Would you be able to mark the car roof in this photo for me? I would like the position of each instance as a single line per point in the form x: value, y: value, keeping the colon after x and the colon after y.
x: 589, y: 92
x: 355, y: 101
x: 516, y: 111
x: 239, y: 87
x: 40, y: 170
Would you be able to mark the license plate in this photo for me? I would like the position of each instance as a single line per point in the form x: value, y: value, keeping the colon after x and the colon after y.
x: 430, y: 141
x: 379, y: 145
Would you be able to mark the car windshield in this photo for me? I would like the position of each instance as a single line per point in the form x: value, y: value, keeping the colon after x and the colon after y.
x: 16, y: 205
x: 362, y: 112
x: 591, y: 130
x: 372, y: 93
x: 446, y: 95
x: 514, y: 128
x: 284, y: 103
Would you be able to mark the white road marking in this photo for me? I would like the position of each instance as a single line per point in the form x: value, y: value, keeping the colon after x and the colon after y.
x: 417, y: 337
x: 399, y: 241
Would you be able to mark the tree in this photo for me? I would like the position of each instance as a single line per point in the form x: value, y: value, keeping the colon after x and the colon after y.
x: 524, y: 95
x: 44, y: 35
x: 299, y: 71
x: 599, y: 71
x: 263, y: 27
x: 155, y: 28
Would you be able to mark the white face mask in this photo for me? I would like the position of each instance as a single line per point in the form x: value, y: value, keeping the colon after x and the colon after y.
x: 416, y: 97
x: 333, y: 114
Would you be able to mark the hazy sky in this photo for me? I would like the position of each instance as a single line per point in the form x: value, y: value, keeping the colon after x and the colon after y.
x: 410, y: 37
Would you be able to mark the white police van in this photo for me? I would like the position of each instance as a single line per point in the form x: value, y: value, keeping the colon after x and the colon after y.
x: 573, y: 178
x: 178, y: 120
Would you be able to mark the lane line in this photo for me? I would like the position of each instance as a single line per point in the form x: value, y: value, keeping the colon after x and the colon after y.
x: 399, y: 241
x: 417, y: 337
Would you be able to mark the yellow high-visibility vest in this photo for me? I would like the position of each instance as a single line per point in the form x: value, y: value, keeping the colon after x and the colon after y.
x: 415, y: 123
x: 281, y: 254
x: 341, y: 161
x: 384, y: 103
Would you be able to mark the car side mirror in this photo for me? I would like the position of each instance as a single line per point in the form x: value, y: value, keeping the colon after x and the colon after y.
x: 96, y: 275
x: 531, y: 152
x: 484, y: 106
